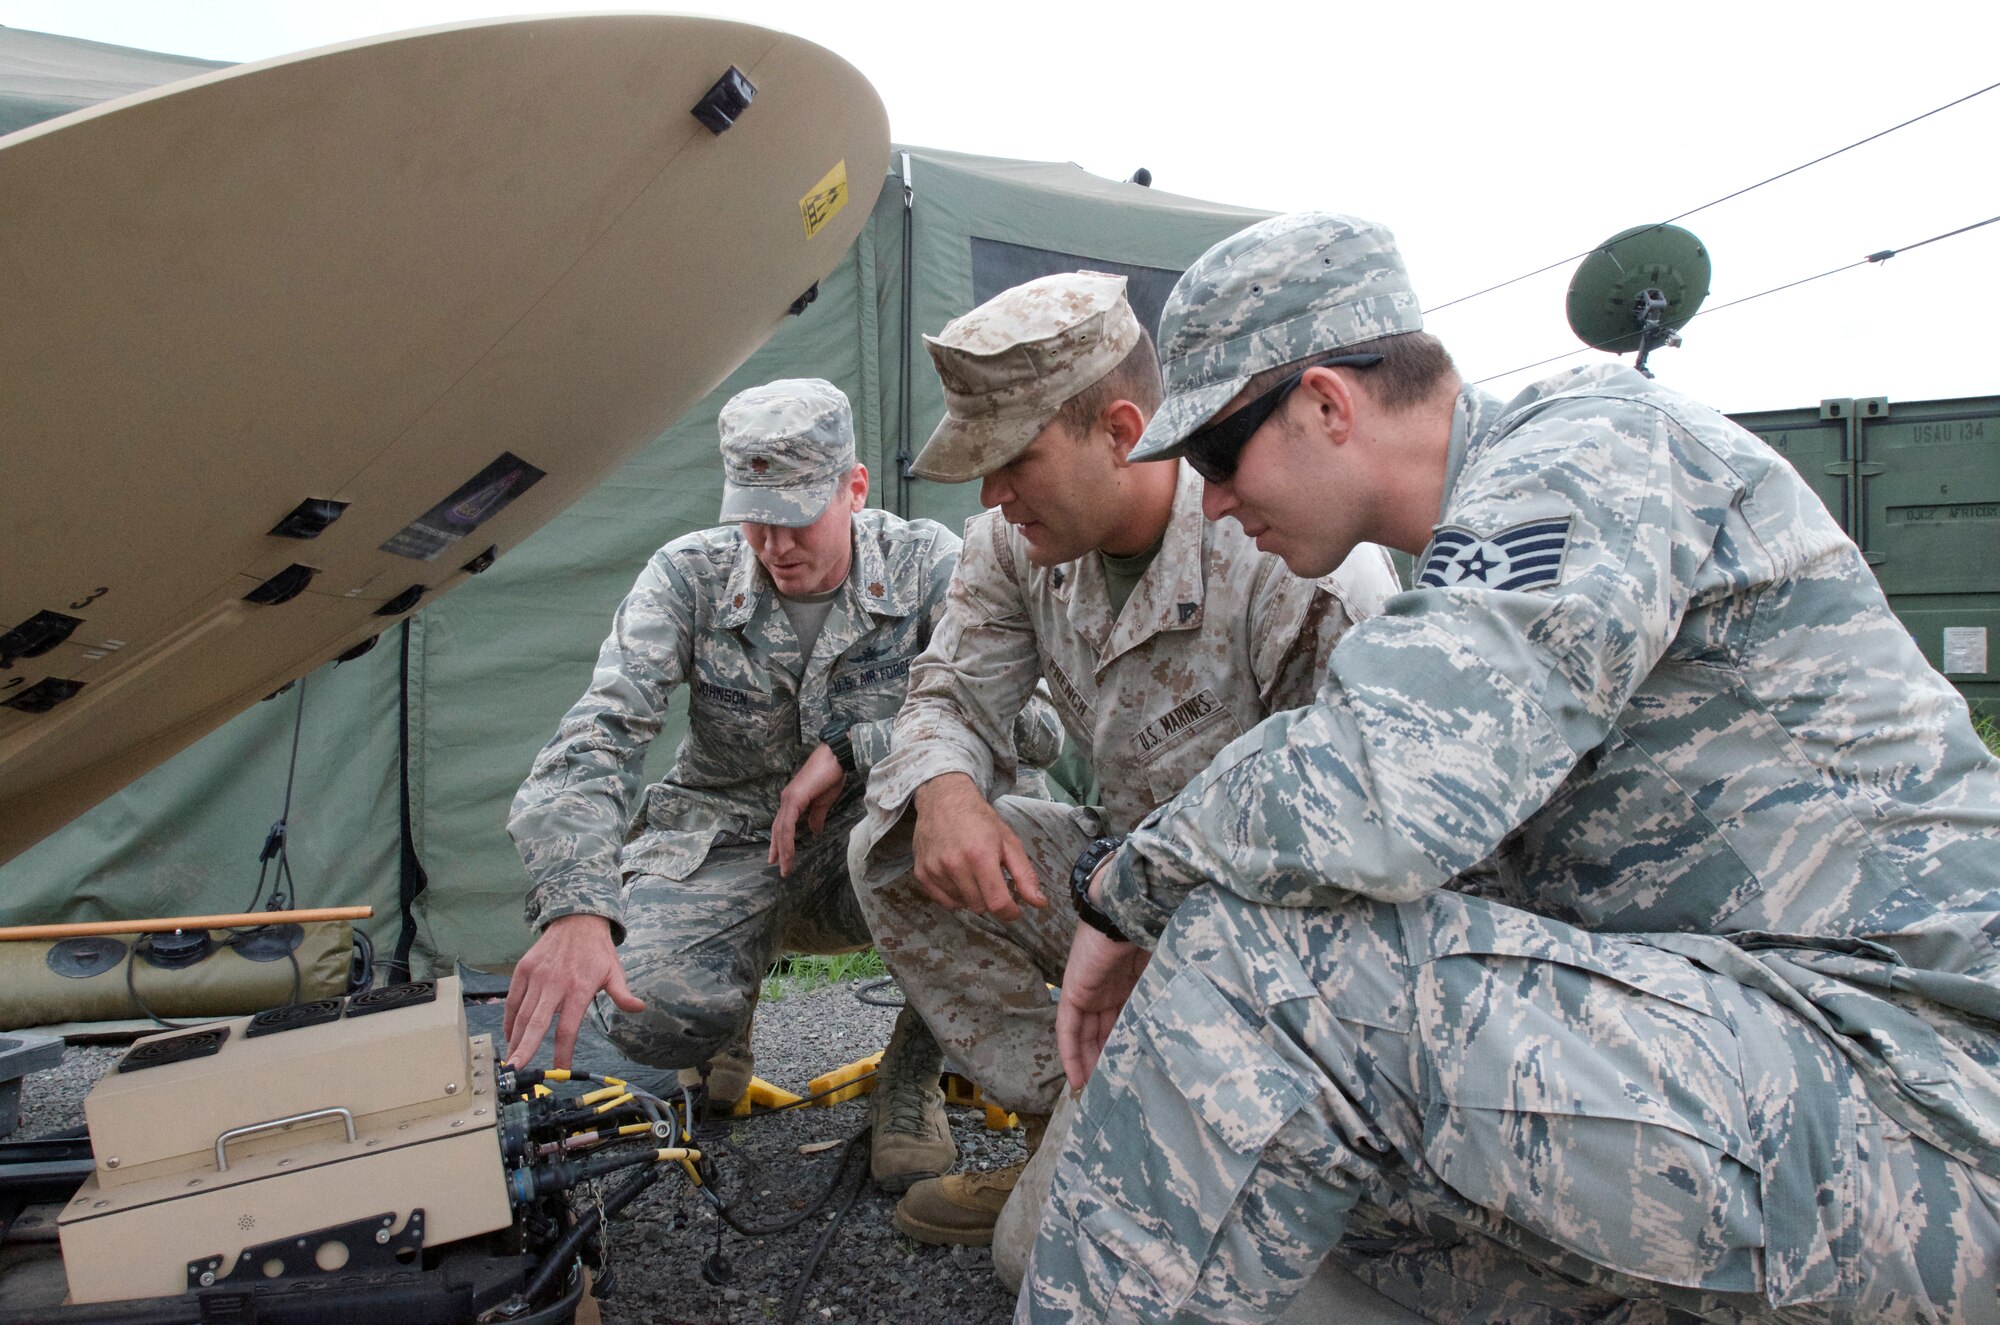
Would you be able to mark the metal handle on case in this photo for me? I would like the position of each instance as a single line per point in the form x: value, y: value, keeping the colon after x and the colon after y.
x: 238, y: 1133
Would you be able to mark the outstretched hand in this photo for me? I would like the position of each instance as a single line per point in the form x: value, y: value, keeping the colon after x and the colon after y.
x: 966, y: 855
x: 811, y: 793
x: 554, y: 983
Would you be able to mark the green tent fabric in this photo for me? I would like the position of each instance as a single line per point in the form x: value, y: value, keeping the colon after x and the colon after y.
x: 43, y: 75
x: 409, y: 756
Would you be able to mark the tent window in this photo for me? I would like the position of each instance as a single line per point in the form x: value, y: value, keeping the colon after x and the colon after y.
x: 998, y: 265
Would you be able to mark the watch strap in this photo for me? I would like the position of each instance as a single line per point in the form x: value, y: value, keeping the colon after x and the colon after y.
x: 1086, y: 865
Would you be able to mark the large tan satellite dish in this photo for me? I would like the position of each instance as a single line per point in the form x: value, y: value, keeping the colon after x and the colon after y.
x: 433, y: 286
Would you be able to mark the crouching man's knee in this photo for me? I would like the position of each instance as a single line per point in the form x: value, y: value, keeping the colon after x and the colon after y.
x: 685, y: 1022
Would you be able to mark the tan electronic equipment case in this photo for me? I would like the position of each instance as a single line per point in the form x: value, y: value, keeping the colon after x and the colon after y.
x: 388, y: 1117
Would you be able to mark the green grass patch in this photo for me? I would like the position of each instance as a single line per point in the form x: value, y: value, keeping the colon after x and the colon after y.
x: 1988, y: 729
x: 802, y: 973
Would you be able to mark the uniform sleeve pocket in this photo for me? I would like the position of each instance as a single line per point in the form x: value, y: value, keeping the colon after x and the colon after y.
x: 1214, y: 1095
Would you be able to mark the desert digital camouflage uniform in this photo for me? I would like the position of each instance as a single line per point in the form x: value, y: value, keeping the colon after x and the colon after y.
x: 679, y: 868
x: 1215, y: 637
x: 1614, y: 938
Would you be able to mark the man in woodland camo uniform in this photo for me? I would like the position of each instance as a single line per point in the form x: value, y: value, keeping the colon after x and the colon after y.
x: 793, y: 628
x: 1161, y: 637
x: 1618, y: 934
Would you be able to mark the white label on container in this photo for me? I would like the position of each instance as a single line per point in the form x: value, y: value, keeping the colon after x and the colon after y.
x: 1965, y: 650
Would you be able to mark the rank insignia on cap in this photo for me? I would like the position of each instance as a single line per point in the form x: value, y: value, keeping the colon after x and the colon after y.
x: 1527, y: 556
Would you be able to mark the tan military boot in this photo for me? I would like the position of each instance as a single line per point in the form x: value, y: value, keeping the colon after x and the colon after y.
x: 912, y: 1139
x: 960, y: 1209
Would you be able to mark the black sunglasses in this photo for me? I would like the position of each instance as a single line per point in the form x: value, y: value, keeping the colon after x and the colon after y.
x: 1213, y: 449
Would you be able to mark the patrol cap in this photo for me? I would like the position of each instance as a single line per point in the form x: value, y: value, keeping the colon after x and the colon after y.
x: 786, y: 446
x: 1010, y: 364
x: 1273, y: 294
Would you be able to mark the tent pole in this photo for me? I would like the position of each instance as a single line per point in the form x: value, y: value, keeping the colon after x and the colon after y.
x: 411, y: 878
x: 166, y: 925
x: 904, y: 453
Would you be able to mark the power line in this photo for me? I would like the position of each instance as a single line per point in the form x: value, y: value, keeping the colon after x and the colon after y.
x: 1876, y: 258
x: 1515, y: 280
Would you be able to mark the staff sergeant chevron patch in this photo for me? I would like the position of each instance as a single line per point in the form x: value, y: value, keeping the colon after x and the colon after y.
x: 1526, y: 556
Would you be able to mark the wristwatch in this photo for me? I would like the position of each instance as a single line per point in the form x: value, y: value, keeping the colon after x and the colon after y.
x: 834, y: 734
x: 1079, y: 887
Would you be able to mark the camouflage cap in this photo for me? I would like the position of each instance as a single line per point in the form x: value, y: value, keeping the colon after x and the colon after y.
x: 785, y: 447
x: 1284, y: 289
x: 1011, y: 363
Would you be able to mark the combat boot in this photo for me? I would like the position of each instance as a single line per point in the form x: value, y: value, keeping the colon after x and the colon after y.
x: 960, y: 1209
x: 728, y: 1074
x: 912, y: 1139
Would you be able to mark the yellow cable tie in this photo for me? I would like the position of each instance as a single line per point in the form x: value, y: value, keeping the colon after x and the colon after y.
x: 608, y: 1092
x: 633, y: 1129
x: 556, y: 1074
x: 609, y: 1105
x: 681, y: 1153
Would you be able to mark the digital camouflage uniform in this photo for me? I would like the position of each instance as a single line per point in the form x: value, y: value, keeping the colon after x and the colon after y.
x: 1215, y: 637
x: 679, y: 869
x: 1614, y: 938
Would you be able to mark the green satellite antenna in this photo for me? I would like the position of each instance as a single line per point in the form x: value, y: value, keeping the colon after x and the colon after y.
x: 1637, y: 289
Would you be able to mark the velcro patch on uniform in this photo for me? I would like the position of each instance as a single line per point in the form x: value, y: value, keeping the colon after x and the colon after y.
x: 1527, y: 556
x: 1065, y: 690
x: 870, y: 676
x: 1182, y: 718
x: 728, y: 697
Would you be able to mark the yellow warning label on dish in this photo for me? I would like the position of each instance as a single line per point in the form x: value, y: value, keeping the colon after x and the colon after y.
x: 826, y: 199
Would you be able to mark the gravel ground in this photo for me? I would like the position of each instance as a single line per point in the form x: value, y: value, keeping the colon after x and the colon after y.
x: 869, y: 1274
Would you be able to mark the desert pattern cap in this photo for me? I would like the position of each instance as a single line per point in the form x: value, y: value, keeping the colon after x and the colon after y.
x: 1010, y: 364
x: 1270, y: 295
x: 786, y: 446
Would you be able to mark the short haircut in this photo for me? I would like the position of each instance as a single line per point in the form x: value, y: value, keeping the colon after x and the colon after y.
x: 1135, y: 378
x: 1414, y: 364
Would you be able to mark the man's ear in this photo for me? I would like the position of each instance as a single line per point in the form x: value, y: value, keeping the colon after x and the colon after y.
x: 1333, y: 399
x: 857, y: 481
x: 1125, y: 423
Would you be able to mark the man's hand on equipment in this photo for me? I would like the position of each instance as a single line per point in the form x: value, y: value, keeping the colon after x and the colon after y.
x: 554, y: 983
x: 811, y: 792
x: 966, y: 854
x: 1098, y: 979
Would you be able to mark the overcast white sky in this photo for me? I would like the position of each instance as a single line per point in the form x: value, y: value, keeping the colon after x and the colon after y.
x: 1494, y: 138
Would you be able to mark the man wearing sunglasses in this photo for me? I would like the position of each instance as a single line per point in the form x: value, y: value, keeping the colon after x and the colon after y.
x: 1160, y: 635
x: 1616, y: 935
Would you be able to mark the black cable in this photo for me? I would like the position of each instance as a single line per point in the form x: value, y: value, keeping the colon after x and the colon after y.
x: 798, y: 1294
x: 863, y: 990
x: 1713, y: 202
x: 275, y: 844
x: 132, y: 956
x: 1873, y: 258
x: 565, y: 1250
x: 854, y: 1145
x: 563, y: 1309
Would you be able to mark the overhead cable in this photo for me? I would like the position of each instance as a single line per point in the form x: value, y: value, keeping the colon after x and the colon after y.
x: 1515, y: 280
x: 1877, y: 258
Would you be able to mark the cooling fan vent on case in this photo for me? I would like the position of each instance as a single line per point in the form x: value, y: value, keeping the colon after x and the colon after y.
x: 390, y: 997
x: 292, y: 1016
x: 178, y: 1049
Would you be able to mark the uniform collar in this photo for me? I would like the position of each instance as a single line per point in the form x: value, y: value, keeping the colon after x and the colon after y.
x: 1471, y: 420
x: 871, y: 585
x: 1169, y: 596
